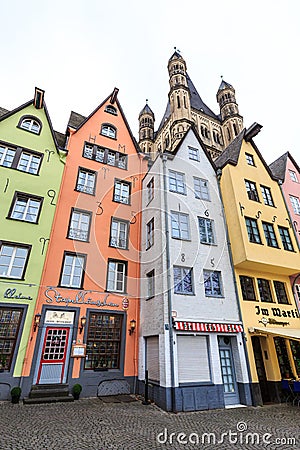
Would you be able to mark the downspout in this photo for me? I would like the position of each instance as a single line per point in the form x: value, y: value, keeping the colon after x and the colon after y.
x: 219, y: 174
x: 170, y: 323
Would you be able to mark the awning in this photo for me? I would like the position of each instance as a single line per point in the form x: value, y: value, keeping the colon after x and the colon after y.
x: 290, y: 333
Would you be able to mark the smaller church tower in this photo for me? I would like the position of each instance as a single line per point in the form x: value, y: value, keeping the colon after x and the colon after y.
x: 146, y: 130
x: 232, y: 122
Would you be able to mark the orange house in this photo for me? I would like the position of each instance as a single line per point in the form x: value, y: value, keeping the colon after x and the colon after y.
x: 88, y: 303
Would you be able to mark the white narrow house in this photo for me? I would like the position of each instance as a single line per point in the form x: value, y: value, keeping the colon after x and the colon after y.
x: 191, y: 334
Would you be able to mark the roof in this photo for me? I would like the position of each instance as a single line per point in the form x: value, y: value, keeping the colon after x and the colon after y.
x: 75, y: 120
x: 3, y: 111
x: 232, y: 152
x: 146, y: 110
x: 278, y: 167
x: 225, y: 85
x: 196, y: 103
x: 60, y: 137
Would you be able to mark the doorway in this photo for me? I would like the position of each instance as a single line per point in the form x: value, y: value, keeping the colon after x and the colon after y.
x: 260, y: 369
x: 231, y: 393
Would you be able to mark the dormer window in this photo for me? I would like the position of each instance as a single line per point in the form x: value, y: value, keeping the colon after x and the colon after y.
x: 109, y: 131
x: 111, y: 110
x: 30, y: 124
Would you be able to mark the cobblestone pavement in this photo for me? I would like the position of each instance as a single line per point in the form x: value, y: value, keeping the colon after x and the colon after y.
x: 91, y: 424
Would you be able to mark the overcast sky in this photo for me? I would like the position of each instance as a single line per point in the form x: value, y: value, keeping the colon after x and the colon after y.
x: 79, y: 50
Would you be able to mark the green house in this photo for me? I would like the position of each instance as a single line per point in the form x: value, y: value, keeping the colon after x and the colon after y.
x: 32, y: 158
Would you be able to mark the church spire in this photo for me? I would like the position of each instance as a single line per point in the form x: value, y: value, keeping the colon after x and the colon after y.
x: 146, y: 130
x: 231, y: 120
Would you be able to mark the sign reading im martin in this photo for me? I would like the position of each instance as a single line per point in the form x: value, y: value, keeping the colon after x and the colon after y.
x: 81, y: 298
x: 209, y: 327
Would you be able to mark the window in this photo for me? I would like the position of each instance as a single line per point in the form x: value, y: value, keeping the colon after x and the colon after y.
x: 183, y: 282
x: 150, y: 284
x: 293, y: 176
x: 176, y: 182
x: 252, y: 229
x: 295, y: 204
x: 86, y: 181
x: 119, y: 233
x: 73, y: 269
x: 206, y: 231
x: 251, y: 190
x: 267, y: 196
x: 193, y: 359
x: 116, y: 276
x: 193, y: 153
x: 264, y: 290
x: 10, y: 319
x: 13, y: 259
x: 6, y: 156
x: 122, y: 192
x: 79, y: 227
x: 249, y: 159
x: 150, y: 233
x: 29, y: 163
x: 297, y: 290
x: 201, y: 188
x: 280, y: 292
x: 180, y: 225
x: 285, y: 238
x: 269, y: 234
x: 30, y: 124
x: 247, y: 286
x: 150, y: 190
x: 109, y: 131
x: 25, y: 207
x: 111, y: 110
x: 103, y: 343
x: 105, y: 156
x: 212, y: 283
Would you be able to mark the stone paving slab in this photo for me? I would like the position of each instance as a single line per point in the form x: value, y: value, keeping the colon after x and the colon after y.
x: 90, y: 424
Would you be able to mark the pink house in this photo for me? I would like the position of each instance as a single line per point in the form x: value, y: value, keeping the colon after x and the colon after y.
x: 287, y: 170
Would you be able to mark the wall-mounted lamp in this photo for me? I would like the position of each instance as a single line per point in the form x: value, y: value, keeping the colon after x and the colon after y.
x: 37, y: 319
x: 82, y: 323
x: 132, y: 327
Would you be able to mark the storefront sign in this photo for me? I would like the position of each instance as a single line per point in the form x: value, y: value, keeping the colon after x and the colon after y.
x: 81, y: 298
x: 78, y: 350
x: 216, y: 327
x: 277, y: 312
x: 59, y: 317
x: 125, y: 303
x: 13, y: 294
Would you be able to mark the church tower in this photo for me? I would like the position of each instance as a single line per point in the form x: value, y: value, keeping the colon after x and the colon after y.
x: 146, y: 131
x: 232, y: 122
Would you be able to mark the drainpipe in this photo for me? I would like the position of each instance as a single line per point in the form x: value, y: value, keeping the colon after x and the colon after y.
x: 170, y: 323
x: 219, y: 174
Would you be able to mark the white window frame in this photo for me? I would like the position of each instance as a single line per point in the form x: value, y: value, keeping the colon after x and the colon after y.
x: 118, y: 227
x: 123, y: 187
x: 116, y: 277
x: 177, y: 182
x: 77, y: 262
x: 79, y: 227
x: 194, y: 153
x: 31, y: 125
x: 30, y: 163
x: 6, y: 159
x: 209, y: 237
x: 295, y: 204
x: 26, y: 213
x: 108, y: 131
x: 201, y: 188
x: 87, y: 176
x: 150, y: 190
x: 180, y: 226
x: 150, y: 233
x: 13, y: 259
x: 182, y: 272
x: 213, y: 275
x: 293, y: 176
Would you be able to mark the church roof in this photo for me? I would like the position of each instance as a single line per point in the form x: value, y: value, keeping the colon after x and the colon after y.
x: 196, y: 103
x: 225, y: 85
x: 146, y: 110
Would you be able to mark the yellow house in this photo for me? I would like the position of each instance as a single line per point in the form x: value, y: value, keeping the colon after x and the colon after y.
x: 265, y: 253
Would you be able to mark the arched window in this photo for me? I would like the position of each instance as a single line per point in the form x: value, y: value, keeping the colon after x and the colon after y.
x: 235, y: 129
x: 178, y: 101
x: 109, y: 131
x: 111, y: 110
x: 30, y: 124
x: 228, y: 133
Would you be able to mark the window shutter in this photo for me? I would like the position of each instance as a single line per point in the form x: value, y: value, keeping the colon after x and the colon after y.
x: 193, y: 361
x: 153, y: 357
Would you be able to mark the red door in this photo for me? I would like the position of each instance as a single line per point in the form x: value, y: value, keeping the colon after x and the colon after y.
x: 53, y: 360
